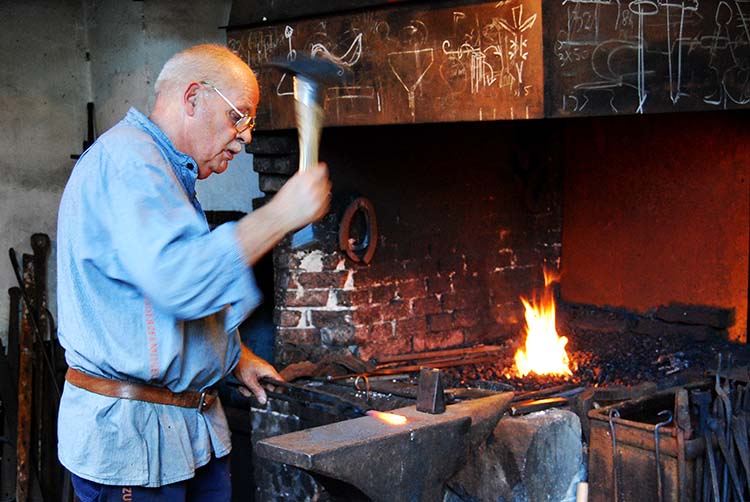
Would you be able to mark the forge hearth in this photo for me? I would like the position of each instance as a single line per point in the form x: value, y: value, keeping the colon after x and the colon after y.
x: 469, y: 215
x: 645, y: 217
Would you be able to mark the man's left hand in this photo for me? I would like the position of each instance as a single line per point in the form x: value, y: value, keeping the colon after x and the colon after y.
x: 249, y: 370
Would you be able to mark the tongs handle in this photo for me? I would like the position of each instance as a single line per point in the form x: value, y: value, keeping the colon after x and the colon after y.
x: 341, y: 405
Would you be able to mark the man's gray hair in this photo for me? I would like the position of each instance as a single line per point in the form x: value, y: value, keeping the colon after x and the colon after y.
x: 209, y: 62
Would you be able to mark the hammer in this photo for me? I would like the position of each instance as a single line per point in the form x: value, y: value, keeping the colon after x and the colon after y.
x: 309, y: 75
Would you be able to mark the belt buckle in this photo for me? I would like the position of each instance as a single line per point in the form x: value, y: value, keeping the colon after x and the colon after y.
x: 202, y: 400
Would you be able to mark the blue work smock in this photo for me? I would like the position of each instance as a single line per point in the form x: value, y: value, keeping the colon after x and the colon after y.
x: 146, y: 293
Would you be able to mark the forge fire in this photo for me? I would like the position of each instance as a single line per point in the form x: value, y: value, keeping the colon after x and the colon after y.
x: 544, y: 352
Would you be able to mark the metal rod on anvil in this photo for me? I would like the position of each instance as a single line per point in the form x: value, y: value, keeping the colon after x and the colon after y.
x: 565, y: 390
x: 532, y: 405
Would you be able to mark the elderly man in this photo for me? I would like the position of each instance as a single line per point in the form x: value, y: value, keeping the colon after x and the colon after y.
x: 150, y: 299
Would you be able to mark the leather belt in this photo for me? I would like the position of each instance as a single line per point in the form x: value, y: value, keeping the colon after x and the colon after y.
x: 201, y: 401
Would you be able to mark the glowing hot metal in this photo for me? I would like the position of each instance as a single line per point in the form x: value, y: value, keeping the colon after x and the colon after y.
x: 389, y: 418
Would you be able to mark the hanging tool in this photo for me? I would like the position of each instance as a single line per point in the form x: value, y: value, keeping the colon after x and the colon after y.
x: 729, y: 460
x: 90, y: 137
x: 701, y: 400
x: 34, y: 318
x: 657, y: 455
x: 739, y: 432
x: 683, y: 430
x: 613, y: 413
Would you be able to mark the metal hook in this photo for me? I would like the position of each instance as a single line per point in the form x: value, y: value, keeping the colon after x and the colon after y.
x: 656, y: 450
x: 367, y: 386
x: 613, y: 413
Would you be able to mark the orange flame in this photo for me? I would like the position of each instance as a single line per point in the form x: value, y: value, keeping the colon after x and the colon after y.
x: 545, y: 350
x: 389, y: 418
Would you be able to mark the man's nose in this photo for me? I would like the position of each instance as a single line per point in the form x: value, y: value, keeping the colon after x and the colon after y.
x: 245, y: 137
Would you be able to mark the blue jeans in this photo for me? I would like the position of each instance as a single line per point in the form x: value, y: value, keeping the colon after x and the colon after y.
x: 210, y: 484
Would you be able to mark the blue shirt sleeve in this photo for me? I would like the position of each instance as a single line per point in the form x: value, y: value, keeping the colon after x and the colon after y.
x: 162, y: 242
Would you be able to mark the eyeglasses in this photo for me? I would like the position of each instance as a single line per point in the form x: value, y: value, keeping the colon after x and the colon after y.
x: 242, y: 122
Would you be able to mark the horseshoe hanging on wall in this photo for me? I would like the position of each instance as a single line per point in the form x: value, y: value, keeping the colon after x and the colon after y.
x: 358, y: 231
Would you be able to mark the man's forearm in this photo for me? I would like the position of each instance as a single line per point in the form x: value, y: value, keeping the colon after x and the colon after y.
x: 260, y: 230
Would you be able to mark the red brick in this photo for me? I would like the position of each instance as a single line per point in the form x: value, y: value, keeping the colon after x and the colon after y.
x: 397, y: 309
x: 363, y: 278
x: 411, y: 289
x: 328, y: 318
x: 366, y: 351
x: 508, y: 313
x: 287, y: 318
x: 377, y: 272
x: 367, y: 314
x: 384, y: 293
x: 303, y: 336
x: 501, y: 293
x: 412, y: 326
x: 292, y: 282
x: 420, y: 268
x: 337, y: 335
x: 465, y: 318
x: 362, y: 334
x: 504, y: 258
x: 438, y: 284
x: 467, y: 283
x: 441, y: 340
x: 385, y: 347
x: 512, y: 332
x: 487, y: 334
x: 450, y: 264
x: 308, y: 298
x: 291, y: 260
x: 440, y: 322
x: 424, y: 306
x: 381, y: 331
x: 322, y: 279
x: 460, y: 301
x: 352, y: 297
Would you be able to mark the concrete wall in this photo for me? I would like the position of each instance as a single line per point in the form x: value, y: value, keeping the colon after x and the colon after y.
x: 56, y: 56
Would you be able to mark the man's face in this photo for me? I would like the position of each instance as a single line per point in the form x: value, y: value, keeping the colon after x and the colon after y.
x: 215, y: 140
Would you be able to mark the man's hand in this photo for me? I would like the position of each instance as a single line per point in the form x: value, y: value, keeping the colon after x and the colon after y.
x: 249, y: 370
x: 304, y: 198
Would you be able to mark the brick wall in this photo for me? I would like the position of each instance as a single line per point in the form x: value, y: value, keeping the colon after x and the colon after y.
x: 467, y: 216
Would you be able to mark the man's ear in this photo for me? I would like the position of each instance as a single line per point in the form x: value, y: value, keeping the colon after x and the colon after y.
x: 190, y: 98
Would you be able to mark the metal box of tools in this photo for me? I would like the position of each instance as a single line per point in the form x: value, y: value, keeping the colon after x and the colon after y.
x: 629, y: 474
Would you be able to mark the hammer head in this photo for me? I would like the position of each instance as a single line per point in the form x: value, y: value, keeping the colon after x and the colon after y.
x: 320, y: 70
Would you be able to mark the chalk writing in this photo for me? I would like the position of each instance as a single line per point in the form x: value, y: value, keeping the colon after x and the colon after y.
x: 650, y: 55
x: 408, y: 63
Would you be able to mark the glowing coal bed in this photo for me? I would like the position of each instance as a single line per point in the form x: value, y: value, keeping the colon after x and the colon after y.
x: 609, y: 359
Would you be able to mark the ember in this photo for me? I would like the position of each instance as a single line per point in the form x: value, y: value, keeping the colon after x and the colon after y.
x: 545, y: 349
